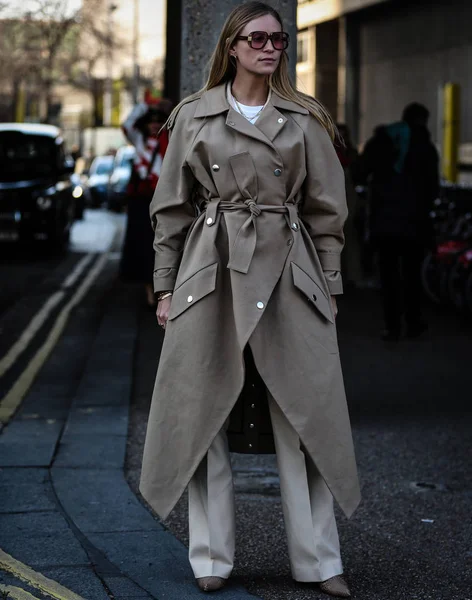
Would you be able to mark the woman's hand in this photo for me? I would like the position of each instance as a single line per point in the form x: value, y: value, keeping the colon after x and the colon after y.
x: 335, y: 306
x: 162, y: 312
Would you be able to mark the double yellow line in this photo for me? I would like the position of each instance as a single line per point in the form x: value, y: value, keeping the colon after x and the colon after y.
x: 11, y: 401
x: 32, y: 579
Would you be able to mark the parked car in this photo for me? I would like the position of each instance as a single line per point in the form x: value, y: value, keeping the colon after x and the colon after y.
x: 36, y: 191
x: 97, y: 180
x: 119, y: 179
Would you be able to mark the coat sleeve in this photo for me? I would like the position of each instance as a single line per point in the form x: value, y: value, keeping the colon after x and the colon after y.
x: 134, y: 135
x: 171, y: 209
x: 324, y: 209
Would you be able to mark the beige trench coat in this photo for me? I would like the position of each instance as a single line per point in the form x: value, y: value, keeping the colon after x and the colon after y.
x: 248, y: 267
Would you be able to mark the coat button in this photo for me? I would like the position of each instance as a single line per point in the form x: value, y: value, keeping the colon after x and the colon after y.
x: 289, y: 242
x: 251, y: 425
x: 253, y: 406
x: 190, y: 299
x: 295, y: 226
x: 260, y: 305
x: 250, y: 445
x: 209, y: 221
x: 231, y: 123
x: 216, y: 167
x: 280, y: 120
x: 278, y: 172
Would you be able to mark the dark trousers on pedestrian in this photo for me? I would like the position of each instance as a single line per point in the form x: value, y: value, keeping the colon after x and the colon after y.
x: 399, y: 262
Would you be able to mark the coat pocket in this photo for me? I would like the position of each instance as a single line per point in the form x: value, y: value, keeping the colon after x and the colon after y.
x: 314, y: 293
x: 193, y: 289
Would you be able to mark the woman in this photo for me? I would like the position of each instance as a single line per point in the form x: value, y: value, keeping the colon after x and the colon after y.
x: 248, y: 281
x: 142, y: 129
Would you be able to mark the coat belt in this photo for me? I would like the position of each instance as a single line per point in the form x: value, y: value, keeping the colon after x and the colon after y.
x: 240, y: 255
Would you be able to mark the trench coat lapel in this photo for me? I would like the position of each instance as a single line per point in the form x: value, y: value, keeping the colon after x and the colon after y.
x: 271, y: 122
x: 267, y: 127
x: 240, y: 124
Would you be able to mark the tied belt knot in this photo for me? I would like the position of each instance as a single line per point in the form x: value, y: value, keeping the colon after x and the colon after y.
x: 242, y: 251
x: 255, y: 210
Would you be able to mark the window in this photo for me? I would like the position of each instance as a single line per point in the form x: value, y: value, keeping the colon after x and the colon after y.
x: 303, y: 47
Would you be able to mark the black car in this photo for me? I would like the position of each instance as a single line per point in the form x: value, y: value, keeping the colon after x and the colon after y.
x: 36, y: 191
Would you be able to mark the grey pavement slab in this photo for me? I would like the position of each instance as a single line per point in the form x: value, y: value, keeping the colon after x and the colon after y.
x: 91, y: 450
x: 101, y: 501
x: 105, y: 389
x: 26, y: 497
x: 41, y: 539
x: 98, y: 420
x: 48, y: 398
x: 25, y: 490
x: 28, y: 443
x: 12, y: 476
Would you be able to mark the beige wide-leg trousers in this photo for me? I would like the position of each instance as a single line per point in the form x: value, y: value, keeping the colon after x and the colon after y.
x: 312, y: 535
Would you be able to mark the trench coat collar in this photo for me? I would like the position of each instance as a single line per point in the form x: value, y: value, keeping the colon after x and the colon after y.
x: 214, y: 102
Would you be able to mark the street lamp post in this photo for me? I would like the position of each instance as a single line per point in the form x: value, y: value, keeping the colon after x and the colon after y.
x: 136, y: 52
x: 107, y: 104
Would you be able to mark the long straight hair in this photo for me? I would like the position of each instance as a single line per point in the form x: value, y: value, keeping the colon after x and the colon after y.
x: 222, y: 69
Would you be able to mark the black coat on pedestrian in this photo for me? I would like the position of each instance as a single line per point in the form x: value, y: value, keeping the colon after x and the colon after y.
x: 400, y: 198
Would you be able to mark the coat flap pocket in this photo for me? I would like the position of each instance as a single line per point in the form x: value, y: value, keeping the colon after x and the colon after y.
x: 312, y: 291
x: 192, y: 290
x: 245, y: 174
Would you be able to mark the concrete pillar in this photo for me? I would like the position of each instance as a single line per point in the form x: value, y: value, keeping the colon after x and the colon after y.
x: 196, y: 24
x: 326, y: 75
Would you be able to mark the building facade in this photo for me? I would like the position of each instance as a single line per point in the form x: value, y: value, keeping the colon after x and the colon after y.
x: 367, y: 59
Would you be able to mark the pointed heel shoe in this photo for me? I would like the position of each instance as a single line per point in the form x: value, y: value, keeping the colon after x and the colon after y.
x: 211, y: 584
x: 335, y: 586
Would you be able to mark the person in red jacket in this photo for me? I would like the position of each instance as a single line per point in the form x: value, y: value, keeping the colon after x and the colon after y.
x: 143, y: 130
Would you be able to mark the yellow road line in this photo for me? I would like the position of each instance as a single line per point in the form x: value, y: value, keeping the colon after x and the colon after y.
x: 41, y: 316
x: 16, y: 593
x: 10, y: 402
x: 35, y: 580
x: 77, y: 271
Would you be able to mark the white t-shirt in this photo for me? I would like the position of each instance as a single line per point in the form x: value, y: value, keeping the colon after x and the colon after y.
x: 251, y: 113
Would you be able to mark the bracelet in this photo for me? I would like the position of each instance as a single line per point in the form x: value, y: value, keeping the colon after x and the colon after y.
x: 163, y: 295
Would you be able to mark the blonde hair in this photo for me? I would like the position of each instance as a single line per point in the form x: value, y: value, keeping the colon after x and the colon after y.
x: 222, y: 69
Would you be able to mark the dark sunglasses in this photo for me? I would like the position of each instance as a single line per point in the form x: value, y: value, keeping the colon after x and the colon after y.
x: 258, y: 39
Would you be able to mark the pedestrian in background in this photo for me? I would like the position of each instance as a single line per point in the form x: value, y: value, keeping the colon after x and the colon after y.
x: 400, y: 164
x: 249, y: 285
x: 142, y: 129
x: 351, y: 256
